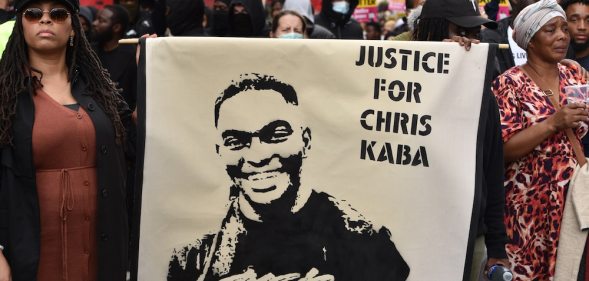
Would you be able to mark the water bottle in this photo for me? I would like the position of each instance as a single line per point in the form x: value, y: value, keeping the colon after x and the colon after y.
x: 498, y: 272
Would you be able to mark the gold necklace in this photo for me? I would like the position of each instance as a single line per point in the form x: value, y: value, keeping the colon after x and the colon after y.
x: 548, y: 92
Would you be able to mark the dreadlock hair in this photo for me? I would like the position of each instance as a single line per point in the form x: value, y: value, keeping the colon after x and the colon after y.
x: 16, y: 77
x: 431, y: 29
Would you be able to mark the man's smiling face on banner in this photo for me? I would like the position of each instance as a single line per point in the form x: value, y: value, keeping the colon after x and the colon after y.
x: 262, y: 143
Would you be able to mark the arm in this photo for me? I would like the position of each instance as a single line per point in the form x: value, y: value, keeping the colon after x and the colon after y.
x: 519, y: 141
x: 127, y: 119
x: 495, y: 237
x: 522, y: 143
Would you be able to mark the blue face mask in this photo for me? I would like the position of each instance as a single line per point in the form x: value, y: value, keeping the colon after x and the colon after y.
x: 292, y: 35
x: 342, y: 7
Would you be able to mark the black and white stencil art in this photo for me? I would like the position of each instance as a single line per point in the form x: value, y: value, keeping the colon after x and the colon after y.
x: 309, y: 160
x: 275, y: 228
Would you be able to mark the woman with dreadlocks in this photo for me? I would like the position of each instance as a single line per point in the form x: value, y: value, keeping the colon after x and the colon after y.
x: 62, y: 173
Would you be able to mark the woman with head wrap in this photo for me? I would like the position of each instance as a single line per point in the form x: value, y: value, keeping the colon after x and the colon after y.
x: 539, y: 155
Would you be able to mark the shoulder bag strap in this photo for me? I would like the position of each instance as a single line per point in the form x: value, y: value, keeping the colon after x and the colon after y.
x: 569, y: 132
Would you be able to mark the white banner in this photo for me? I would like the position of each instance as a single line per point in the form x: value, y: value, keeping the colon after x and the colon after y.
x: 308, y: 159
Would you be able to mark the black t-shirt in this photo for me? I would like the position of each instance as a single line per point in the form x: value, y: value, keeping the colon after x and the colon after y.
x: 122, y: 67
x: 320, y: 236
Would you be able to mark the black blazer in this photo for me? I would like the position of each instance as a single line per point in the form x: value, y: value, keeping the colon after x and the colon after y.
x: 19, y: 206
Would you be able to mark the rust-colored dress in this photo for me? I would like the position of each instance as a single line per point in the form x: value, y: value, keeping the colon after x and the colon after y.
x: 64, y: 153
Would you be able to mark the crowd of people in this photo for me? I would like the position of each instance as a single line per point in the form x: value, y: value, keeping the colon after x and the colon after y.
x: 67, y: 137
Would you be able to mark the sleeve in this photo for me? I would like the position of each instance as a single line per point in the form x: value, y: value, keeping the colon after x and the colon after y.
x: 505, y: 89
x: 3, y: 205
x: 130, y: 129
x: 495, y: 236
x: 130, y: 82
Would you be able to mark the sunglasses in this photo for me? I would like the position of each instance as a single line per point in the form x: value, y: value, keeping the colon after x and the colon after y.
x: 56, y: 14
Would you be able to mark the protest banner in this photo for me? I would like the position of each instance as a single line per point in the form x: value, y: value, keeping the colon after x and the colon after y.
x: 366, y: 11
x: 397, y: 6
x: 96, y: 3
x: 293, y: 159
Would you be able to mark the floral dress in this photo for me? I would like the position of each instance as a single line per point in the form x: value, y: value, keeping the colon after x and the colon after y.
x: 535, y: 185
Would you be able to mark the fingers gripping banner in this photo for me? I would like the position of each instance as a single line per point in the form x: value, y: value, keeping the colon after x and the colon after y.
x: 308, y: 159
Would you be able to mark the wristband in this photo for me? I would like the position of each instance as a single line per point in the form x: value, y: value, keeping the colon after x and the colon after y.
x: 1, y: 248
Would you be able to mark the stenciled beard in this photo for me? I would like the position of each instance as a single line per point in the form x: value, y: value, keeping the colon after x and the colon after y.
x: 579, y: 47
x: 282, y: 206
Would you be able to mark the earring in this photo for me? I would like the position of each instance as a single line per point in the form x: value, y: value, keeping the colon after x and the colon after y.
x: 71, y: 41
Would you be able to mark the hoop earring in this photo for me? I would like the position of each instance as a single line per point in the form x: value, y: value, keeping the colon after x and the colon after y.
x: 71, y: 41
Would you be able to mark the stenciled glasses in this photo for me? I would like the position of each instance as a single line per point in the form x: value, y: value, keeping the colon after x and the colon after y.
x: 56, y: 14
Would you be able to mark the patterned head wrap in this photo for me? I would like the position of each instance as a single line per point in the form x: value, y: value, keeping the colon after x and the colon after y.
x: 532, y: 18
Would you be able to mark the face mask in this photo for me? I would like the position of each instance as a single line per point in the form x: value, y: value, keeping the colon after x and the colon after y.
x: 220, y: 23
x: 342, y: 7
x: 292, y: 35
x: 241, y: 25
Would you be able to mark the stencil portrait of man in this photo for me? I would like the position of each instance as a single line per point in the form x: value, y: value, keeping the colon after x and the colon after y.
x: 276, y: 228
